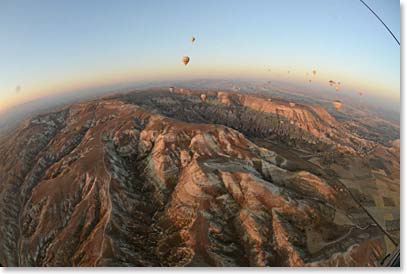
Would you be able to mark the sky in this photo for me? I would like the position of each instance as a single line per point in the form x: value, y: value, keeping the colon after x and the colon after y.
x: 52, y: 46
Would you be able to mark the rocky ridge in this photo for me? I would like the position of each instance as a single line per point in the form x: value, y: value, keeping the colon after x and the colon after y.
x: 128, y: 182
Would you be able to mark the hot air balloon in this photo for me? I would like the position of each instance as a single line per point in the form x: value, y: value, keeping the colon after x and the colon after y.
x: 314, y: 72
x: 310, y: 80
x: 288, y: 72
x: 360, y: 93
x: 171, y: 89
x: 192, y: 39
x: 291, y: 104
x: 203, y: 97
x: 18, y: 89
x: 334, y: 84
x: 337, y: 104
x: 185, y: 60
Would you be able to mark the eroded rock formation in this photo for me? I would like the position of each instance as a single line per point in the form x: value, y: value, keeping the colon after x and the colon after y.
x: 112, y: 183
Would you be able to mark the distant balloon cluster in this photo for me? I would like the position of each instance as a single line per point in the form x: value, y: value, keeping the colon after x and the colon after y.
x: 337, y: 85
x: 185, y: 59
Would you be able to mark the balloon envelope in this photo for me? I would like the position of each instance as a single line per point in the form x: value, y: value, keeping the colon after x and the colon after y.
x: 185, y: 60
x: 193, y: 39
x: 337, y: 104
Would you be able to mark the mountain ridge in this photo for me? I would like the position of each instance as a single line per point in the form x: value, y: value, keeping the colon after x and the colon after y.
x: 121, y: 181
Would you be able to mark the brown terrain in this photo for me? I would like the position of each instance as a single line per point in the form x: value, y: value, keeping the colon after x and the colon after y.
x: 197, y: 178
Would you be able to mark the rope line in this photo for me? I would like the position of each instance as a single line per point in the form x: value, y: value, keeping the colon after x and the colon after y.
x: 377, y: 16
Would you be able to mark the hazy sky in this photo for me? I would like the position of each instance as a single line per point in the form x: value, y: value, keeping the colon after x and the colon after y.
x: 54, y: 46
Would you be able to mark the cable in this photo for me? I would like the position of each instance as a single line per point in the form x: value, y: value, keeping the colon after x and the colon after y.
x: 377, y: 16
